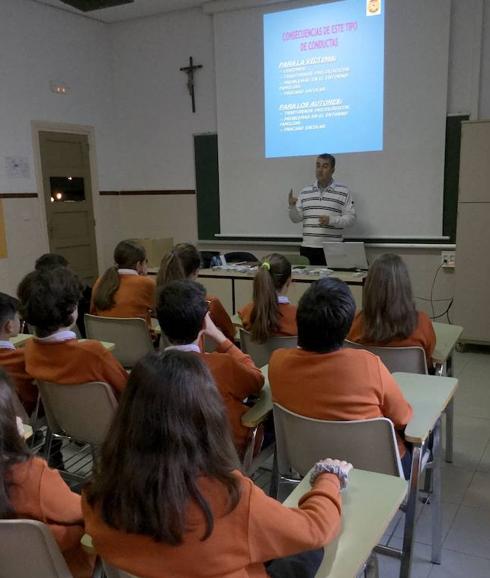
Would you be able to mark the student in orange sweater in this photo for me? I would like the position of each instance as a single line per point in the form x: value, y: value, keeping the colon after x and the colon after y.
x: 167, y: 499
x: 49, y: 303
x: 182, y: 312
x: 322, y: 380
x: 29, y: 489
x: 12, y: 359
x: 270, y: 313
x: 125, y: 290
x: 184, y: 262
x: 389, y: 317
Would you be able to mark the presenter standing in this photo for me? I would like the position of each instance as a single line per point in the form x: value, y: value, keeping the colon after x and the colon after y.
x: 326, y: 208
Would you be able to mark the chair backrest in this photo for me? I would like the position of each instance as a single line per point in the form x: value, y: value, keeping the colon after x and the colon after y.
x: 302, y: 441
x: 29, y: 550
x: 83, y: 411
x: 261, y: 352
x: 130, y: 336
x: 238, y: 256
x: 407, y: 359
x: 113, y: 572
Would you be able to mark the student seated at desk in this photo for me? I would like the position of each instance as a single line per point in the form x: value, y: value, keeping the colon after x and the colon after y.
x: 270, y: 313
x: 125, y: 290
x: 389, y: 317
x: 49, y: 303
x: 12, y: 359
x: 183, y: 315
x: 184, y: 262
x: 30, y: 489
x: 322, y: 380
x: 167, y: 499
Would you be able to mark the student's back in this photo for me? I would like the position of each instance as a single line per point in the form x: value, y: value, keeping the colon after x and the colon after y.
x: 49, y: 303
x: 125, y: 290
x: 389, y: 317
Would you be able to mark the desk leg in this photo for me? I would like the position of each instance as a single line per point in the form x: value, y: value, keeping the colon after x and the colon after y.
x: 449, y: 431
x: 407, y: 548
x: 436, y: 495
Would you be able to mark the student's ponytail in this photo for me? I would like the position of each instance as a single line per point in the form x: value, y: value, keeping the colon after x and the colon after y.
x: 272, y: 275
x: 126, y: 255
x: 178, y: 264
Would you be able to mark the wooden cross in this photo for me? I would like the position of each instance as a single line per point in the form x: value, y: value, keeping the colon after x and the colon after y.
x: 189, y: 70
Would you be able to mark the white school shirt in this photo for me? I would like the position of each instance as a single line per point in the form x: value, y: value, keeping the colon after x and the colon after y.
x: 334, y: 201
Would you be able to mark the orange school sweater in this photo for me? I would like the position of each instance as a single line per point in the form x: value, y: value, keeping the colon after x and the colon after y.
x: 72, y: 362
x: 39, y: 493
x: 236, y: 377
x: 12, y: 360
x: 257, y: 530
x: 348, y: 384
x: 220, y: 317
x: 134, y: 298
x: 287, y: 320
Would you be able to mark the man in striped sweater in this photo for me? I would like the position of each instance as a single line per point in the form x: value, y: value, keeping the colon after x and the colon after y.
x: 326, y: 208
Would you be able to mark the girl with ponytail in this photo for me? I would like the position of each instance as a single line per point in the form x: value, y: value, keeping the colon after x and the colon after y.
x: 124, y: 290
x: 270, y: 313
x: 184, y: 262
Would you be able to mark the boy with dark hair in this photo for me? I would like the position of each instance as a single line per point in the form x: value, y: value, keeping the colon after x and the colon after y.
x: 49, y: 300
x: 183, y: 314
x: 12, y: 359
x: 323, y: 380
x: 50, y: 261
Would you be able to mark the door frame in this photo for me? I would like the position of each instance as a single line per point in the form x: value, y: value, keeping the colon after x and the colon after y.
x: 89, y: 131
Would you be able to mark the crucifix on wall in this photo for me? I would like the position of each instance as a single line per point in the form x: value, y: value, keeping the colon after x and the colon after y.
x: 189, y: 70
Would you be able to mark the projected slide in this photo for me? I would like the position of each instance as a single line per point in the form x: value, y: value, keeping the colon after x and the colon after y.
x: 323, y: 79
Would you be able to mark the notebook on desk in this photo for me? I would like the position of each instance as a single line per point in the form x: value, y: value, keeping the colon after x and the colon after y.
x: 349, y: 256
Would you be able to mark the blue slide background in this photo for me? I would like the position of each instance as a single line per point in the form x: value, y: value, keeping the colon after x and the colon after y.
x: 361, y: 50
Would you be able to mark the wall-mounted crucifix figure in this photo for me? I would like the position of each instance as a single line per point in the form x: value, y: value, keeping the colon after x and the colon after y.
x: 189, y: 70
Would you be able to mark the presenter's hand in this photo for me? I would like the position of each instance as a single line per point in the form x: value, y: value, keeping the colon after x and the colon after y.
x: 324, y: 220
x: 291, y: 198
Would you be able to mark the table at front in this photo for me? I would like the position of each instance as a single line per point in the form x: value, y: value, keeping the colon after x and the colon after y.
x: 429, y: 396
x: 235, y: 289
x: 368, y: 496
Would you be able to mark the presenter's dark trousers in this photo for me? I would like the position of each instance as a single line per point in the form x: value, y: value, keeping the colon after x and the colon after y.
x: 314, y: 254
x: 303, y: 565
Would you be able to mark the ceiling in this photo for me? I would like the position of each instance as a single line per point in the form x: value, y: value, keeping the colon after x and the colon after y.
x: 137, y: 9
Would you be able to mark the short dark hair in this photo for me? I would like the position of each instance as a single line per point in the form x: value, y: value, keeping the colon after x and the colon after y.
x: 328, y: 157
x: 181, y: 309
x: 50, y: 261
x: 325, y: 314
x: 48, y: 299
x: 8, y: 308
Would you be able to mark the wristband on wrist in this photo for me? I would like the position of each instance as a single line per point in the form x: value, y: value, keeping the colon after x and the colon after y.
x: 323, y: 468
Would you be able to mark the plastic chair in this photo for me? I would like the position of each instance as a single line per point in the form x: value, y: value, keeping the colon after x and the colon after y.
x: 261, y: 352
x: 238, y: 256
x: 130, y: 336
x: 407, y: 359
x: 29, y: 550
x: 368, y: 444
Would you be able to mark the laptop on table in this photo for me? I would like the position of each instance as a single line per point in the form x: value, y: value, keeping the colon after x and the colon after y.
x: 347, y: 256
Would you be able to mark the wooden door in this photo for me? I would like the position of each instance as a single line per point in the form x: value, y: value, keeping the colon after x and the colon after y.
x: 68, y: 196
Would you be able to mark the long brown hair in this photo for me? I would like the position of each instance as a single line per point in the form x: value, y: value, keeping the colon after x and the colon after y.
x: 126, y: 255
x: 388, y: 308
x: 170, y: 428
x: 12, y: 447
x: 178, y: 264
x: 273, y: 273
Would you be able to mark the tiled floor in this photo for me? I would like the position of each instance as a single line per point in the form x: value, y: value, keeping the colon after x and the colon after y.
x: 466, y: 486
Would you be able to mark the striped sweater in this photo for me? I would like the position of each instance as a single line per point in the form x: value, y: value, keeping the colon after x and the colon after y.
x: 334, y: 201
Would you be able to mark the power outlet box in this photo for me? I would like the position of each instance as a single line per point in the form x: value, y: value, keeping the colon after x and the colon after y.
x: 448, y: 259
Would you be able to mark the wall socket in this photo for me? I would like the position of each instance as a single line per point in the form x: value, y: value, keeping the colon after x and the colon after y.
x: 448, y: 259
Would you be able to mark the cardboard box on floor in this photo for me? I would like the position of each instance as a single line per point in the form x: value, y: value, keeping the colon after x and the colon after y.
x: 155, y: 249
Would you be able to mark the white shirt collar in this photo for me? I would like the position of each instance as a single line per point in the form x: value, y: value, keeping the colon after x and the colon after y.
x: 186, y: 347
x: 282, y: 299
x: 6, y: 345
x: 58, y: 336
x: 127, y: 272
